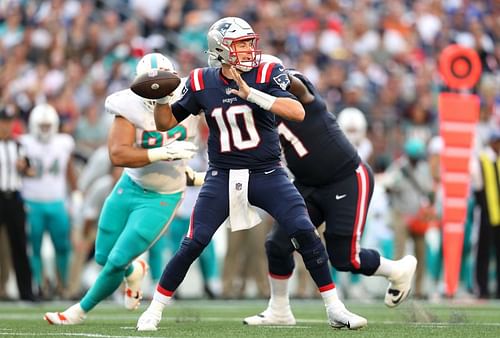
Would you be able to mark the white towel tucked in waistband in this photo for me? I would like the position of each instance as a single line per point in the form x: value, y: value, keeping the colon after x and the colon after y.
x: 242, y: 215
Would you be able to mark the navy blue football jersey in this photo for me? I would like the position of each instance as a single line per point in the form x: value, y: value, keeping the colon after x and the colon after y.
x: 316, y: 150
x: 242, y: 135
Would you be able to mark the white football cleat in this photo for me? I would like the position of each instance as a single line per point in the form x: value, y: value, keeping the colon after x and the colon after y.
x: 269, y: 317
x: 133, y: 292
x: 148, y: 321
x: 339, y: 317
x: 400, y: 286
x: 74, y: 315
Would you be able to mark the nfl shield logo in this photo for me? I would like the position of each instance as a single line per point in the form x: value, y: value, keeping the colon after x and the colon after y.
x: 239, y: 186
x: 228, y: 90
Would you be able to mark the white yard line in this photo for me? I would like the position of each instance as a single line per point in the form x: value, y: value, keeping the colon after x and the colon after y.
x: 184, y: 318
x: 81, y: 334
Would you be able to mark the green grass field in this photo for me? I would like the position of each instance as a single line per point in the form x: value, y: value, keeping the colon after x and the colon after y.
x: 202, y: 318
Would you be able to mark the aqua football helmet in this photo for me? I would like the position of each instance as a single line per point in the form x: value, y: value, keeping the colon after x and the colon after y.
x: 149, y: 62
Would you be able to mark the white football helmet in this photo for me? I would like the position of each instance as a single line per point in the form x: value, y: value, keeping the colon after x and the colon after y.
x: 43, y: 122
x: 221, y: 36
x: 353, y: 123
x: 149, y: 62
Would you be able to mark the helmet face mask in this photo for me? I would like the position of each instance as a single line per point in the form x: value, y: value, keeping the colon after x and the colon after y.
x: 43, y: 122
x: 223, y: 37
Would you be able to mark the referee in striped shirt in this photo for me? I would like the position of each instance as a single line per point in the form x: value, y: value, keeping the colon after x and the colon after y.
x: 13, y: 165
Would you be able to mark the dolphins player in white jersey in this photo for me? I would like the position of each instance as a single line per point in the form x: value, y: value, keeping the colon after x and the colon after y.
x: 144, y: 200
x: 50, y: 153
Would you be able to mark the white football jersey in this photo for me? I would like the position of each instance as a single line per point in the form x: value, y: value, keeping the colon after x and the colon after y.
x: 161, y: 176
x: 50, y: 161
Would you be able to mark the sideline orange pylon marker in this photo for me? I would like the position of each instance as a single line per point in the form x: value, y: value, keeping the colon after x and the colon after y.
x: 460, y: 69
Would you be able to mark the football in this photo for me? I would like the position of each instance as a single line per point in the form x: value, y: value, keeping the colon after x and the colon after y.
x: 155, y: 84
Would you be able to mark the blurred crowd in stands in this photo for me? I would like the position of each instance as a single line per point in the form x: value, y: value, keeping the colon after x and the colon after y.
x: 377, y: 56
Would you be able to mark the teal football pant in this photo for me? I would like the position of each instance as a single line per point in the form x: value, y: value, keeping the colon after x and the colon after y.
x: 132, y: 219
x: 51, y: 217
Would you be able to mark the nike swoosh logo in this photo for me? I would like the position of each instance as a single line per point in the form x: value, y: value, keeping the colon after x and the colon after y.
x: 339, y: 197
x: 268, y: 172
x: 397, y: 300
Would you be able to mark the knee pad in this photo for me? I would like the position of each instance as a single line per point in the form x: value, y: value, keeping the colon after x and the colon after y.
x: 280, y: 257
x: 309, y: 245
x: 62, y: 246
x: 101, y: 259
x: 339, y: 252
x: 118, y: 260
x: 191, y: 248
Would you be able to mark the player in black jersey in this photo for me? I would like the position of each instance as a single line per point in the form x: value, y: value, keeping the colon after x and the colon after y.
x: 337, y: 187
x: 241, y: 100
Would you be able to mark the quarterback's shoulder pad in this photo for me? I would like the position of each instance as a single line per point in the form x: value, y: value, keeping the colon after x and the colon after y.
x: 267, y: 70
x: 274, y: 74
x: 197, y: 79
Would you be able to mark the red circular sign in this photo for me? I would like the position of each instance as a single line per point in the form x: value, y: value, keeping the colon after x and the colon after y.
x: 460, y: 67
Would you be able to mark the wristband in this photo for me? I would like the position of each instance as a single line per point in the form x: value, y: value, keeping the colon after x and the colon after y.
x: 155, y: 154
x: 263, y: 100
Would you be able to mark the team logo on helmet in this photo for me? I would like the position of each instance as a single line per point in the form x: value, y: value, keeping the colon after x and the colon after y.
x: 223, y: 27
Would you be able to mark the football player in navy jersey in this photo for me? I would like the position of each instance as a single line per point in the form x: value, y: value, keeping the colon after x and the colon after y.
x: 337, y: 187
x: 241, y: 100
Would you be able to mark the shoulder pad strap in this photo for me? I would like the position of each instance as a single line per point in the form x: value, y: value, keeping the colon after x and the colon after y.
x: 264, y: 72
x: 196, y: 79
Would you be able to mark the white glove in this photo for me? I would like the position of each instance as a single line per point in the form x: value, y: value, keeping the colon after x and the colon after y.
x: 165, y: 99
x: 177, y: 150
x: 194, y: 178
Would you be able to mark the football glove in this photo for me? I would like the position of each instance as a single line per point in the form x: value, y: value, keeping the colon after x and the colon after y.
x: 178, y: 150
x: 165, y: 99
x: 194, y: 178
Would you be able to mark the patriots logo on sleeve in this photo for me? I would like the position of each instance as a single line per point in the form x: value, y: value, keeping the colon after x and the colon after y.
x: 282, y: 80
